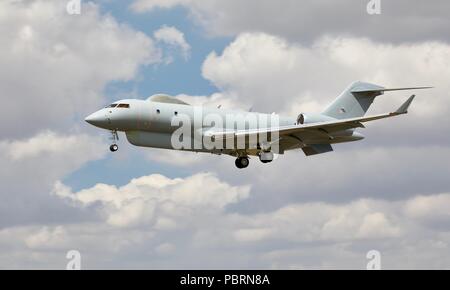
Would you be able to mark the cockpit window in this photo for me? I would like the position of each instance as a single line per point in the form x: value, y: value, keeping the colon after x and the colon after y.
x: 111, y: 106
x: 123, y: 106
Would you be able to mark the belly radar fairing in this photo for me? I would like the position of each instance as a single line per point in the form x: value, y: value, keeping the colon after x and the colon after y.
x: 166, y: 122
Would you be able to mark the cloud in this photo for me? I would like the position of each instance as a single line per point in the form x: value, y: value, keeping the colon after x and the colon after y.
x: 31, y: 166
x: 55, y: 66
x: 314, y: 19
x: 46, y: 238
x: 429, y: 209
x: 253, y: 59
x: 48, y: 149
x: 145, y: 5
x: 173, y: 37
x: 45, y: 143
x: 360, y: 219
x: 178, y: 158
x: 203, y: 224
x: 143, y: 198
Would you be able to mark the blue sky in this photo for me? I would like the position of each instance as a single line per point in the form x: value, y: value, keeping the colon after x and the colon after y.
x: 179, y: 77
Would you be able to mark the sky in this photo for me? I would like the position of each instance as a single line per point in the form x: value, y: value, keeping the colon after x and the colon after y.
x: 141, y: 208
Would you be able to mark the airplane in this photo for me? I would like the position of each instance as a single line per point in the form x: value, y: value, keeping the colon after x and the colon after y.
x: 150, y: 123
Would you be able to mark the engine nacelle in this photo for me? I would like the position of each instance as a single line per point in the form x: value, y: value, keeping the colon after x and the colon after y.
x: 266, y: 157
x: 307, y: 118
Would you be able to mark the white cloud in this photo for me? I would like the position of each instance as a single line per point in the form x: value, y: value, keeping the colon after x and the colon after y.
x: 339, y: 235
x: 45, y: 143
x: 252, y: 235
x: 195, y: 207
x: 59, y: 153
x: 139, y: 201
x: 46, y: 238
x: 376, y: 225
x: 311, y: 19
x: 145, y: 5
x: 361, y: 219
x: 429, y: 209
x: 31, y: 166
x: 178, y: 158
x: 173, y: 37
x: 54, y: 66
x: 165, y: 249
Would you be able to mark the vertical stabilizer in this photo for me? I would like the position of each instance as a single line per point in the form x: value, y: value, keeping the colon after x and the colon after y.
x: 354, y: 101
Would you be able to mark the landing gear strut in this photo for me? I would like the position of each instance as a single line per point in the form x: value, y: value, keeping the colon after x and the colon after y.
x: 242, y: 162
x: 114, y: 138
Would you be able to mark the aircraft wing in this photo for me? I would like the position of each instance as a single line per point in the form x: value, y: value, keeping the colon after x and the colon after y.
x: 327, y: 127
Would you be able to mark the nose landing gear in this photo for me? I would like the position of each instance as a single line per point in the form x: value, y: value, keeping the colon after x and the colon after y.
x: 114, y: 148
x: 114, y: 138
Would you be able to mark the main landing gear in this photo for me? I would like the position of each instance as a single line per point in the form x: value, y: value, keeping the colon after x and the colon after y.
x: 114, y: 138
x: 242, y: 162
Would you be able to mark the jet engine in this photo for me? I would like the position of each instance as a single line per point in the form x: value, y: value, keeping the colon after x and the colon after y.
x: 266, y: 157
x: 306, y: 118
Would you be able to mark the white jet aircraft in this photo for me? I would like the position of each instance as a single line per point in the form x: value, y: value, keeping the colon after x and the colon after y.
x: 158, y: 121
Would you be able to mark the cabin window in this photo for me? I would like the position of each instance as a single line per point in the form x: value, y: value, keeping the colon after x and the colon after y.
x: 124, y: 106
x: 158, y: 111
x: 176, y: 113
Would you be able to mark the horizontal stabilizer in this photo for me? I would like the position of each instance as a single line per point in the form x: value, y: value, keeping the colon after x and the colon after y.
x: 381, y: 90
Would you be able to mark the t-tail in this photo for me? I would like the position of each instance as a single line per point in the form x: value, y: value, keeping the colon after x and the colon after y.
x: 355, y: 100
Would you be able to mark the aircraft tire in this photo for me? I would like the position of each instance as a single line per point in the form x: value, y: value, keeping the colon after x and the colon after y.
x: 113, y: 147
x: 242, y: 162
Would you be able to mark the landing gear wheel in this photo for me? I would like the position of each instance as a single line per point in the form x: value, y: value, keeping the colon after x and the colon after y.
x: 242, y: 162
x: 113, y: 148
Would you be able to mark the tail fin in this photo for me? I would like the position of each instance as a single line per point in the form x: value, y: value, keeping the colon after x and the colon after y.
x: 356, y: 99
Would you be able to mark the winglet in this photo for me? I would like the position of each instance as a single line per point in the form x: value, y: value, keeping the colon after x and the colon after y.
x: 404, y: 108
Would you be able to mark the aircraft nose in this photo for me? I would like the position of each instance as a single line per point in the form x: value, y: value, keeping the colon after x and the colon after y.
x: 96, y: 119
